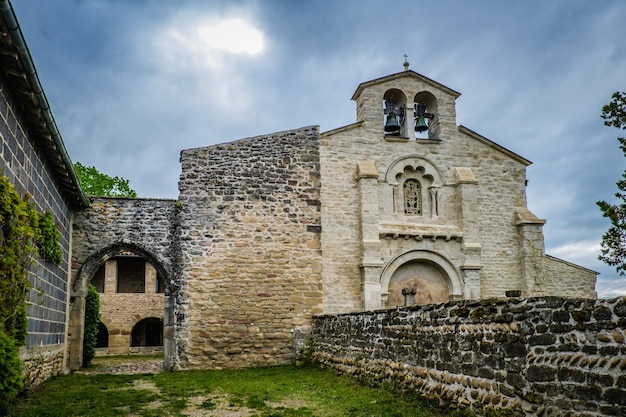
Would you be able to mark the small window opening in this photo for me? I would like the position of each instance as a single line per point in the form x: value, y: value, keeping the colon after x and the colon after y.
x: 412, y: 197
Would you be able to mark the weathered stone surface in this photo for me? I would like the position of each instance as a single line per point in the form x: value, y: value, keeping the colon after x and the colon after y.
x: 560, y: 369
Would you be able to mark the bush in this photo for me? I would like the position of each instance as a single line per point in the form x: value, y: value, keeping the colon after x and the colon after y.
x: 11, y: 382
x: 92, y: 318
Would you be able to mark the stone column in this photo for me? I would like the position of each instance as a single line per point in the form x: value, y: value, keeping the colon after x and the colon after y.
x: 371, y: 263
x: 76, y: 332
x: 110, y: 276
x: 532, y: 253
x: 169, y: 343
x: 467, y: 199
x: 150, y: 279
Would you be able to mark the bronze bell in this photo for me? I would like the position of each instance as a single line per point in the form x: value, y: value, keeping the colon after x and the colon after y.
x: 392, y: 124
x: 420, y: 124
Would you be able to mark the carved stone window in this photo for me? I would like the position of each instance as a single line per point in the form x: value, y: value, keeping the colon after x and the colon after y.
x: 412, y: 197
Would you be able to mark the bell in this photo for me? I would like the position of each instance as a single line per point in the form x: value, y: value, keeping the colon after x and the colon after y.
x: 392, y: 124
x: 420, y: 124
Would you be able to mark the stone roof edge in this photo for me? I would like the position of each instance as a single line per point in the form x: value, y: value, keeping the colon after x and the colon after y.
x: 341, y: 129
x: 494, y: 145
x: 52, y: 140
x: 572, y: 264
x: 411, y: 73
x: 257, y: 137
x: 104, y: 197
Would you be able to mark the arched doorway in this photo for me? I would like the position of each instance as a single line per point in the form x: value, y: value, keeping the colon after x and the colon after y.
x: 129, y: 257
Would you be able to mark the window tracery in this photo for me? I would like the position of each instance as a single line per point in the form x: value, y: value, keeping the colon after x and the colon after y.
x: 412, y: 197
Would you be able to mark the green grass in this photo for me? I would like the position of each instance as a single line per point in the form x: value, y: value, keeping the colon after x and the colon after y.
x: 283, y: 391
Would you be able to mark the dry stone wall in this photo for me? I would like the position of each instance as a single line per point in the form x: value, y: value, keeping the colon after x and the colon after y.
x: 541, y: 356
x: 249, y: 232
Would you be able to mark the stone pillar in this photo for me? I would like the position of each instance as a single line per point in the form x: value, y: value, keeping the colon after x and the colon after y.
x: 76, y: 333
x: 467, y: 198
x: 471, y: 281
x: 532, y: 253
x: 150, y: 279
x: 110, y: 276
x: 169, y: 343
x: 371, y: 263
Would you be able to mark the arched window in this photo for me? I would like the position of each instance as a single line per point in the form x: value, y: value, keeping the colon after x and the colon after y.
x: 412, y: 197
x: 147, y: 332
x: 102, y: 338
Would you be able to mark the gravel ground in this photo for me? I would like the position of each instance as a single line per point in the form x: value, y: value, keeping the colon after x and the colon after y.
x: 125, y: 365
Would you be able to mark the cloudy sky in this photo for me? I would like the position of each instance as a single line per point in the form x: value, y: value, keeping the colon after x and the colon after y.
x: 132, y: 83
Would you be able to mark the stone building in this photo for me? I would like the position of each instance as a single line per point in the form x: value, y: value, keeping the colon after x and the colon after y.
x: 410, y: 200
x: 275, y: 229
x: 401, y: 207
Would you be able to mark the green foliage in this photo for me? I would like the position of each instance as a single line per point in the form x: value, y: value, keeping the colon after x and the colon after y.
x: 18, y: 234
x: 92, y: 318
x: 10, y: 371
x: 95, y: 183
x: 49, y: 239
x: 613, y: 245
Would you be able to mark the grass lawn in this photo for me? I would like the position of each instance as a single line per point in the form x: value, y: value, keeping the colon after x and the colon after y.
x: 282, y: 391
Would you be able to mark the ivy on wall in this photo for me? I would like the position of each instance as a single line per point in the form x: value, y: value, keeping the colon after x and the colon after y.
x: 19, y: 232
x: 24, y: 234
x: 49, y: 239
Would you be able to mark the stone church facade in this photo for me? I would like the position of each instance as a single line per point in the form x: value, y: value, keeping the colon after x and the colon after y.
x: 440, y: 213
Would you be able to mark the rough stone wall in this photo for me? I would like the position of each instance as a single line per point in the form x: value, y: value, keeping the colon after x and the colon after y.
x: 250, y: 229
x: 24, y: 163
x: 121, y: 312
x: 146, y: 225
x: 541, y: 356
x: 42, y: 363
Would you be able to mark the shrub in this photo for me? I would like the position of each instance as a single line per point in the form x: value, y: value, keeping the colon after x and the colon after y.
x: 11, y: 382
x: 92, y: 318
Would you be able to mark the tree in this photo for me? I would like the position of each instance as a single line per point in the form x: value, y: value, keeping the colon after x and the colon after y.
x: 613, y: 245
x: 95, y: 183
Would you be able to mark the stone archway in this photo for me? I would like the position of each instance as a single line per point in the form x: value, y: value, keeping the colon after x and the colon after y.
x: 79, y: 291
x: 426, y: 276
x: 417, y: 282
